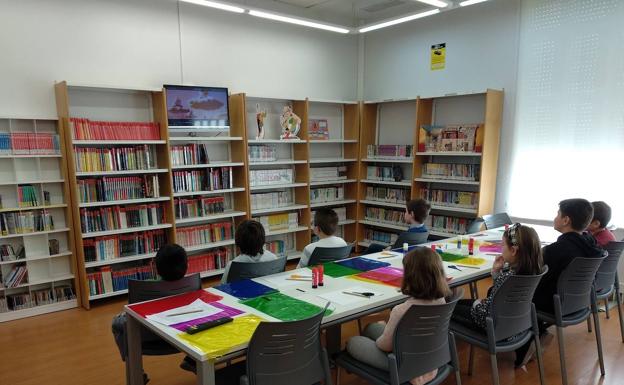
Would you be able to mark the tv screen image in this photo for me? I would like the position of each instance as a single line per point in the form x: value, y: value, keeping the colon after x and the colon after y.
x: 200, y: 107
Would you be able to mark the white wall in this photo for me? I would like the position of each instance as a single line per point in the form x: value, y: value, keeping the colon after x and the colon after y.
x: 481, y: 52
x: 137, y: 43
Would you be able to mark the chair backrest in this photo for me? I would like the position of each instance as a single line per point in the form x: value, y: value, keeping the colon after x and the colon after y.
x: 249, y: 270
x: 475, y: 226
x: 575, y: 284
x: 286, y: 353
x: 329, y: 254
x: 496, y: 220
x: 421, y: 341
x: 605, y: 277
x: 410, y: 239
x: 139, y: 291
x: 511, y: 304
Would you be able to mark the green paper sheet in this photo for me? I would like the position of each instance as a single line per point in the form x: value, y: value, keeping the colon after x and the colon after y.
x: 283, y: 307
x: 462, y: 259
x: 335, y: 270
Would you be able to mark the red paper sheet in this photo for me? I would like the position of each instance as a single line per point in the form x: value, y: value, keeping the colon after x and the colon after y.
x: 168, y: 303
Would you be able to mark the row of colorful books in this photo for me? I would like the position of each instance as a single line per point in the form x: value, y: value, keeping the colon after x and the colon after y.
x: 387, y: 194
x: 18, y: 275
x: 120, y: 217
x: 198, y: 207
x: 269, y: 177
x: 27, y: 196
x: 318, y: 174
x: 280, y: 221
x: 262, y: 153
x: 89, y: 159
x: 389, y: 151
x: 447, y: 224
x: 190, y: 154
x: 213, y: 260
x: 118, y: 188
x: 106, y: 280
x: 29, y: 143
x: 380, y: 214
x: 85, y: 129
x: 372, y: 235
x: 384, y: 173
x: 271, y: 199
x: 455, y: 171
x: 10, y: 252
x: 113, y: 247
x: 213, y: 178
x: 204, y: 234
x: 448, y: 138
x: 277, y: 247
x: 26, y: 222
x: 326, y: 194
x: 451, y: 198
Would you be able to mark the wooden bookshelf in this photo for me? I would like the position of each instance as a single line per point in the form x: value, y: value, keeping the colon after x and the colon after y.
x: 114, y: 105
x: 47, y: 269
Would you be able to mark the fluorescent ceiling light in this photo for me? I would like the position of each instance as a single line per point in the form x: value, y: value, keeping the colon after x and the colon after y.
x: 213, y: 4
x: 398, y: 21
x: 292, y: 20
x: 435, y: 3
x: 470, y: 2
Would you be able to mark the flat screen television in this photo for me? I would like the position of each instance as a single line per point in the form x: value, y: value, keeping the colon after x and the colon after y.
x: 197, y: 107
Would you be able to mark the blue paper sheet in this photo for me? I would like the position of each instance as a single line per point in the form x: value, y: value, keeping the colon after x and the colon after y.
x: 362, y: 264
x: 245, y: 289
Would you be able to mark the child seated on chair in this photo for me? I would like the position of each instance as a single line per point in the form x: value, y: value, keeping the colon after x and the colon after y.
x: 250, y: 240
x: 325, y: 225
x: 424, y: 281
x: 522, y: 252
x: 598, y: 225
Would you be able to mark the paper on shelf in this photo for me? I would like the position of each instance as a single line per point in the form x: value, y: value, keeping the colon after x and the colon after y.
x: 340, y: 298
x: 197, y: 309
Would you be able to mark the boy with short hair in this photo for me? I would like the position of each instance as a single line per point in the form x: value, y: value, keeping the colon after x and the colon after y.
x: 325, y: 225
x: 171, y: 262
x: 416, y: 213
x: 598, y: 225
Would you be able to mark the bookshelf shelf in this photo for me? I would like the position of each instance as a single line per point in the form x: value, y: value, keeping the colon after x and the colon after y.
x: 41, y: 181
x: 277, y: 162
x: 208, y: 165
x: 226, y: 214
x: 332, y: 203
x: 449, y: 153
x: 211, y: 245
x: 277, y: 186
x: 36, y: 258
x: 454, y: 209
x: 346, y: 222
x: 205, y: 138
x: 120, y: 260
x: 126, y: 230
x: 384, y: 204
x: 278, y: 209
x: 286, y: 231
x: 447, y: 181
x: 332, y: 160
x: 33, y: 208
x: 124, y: 202
x: 106, y: 295
x: 29, y: 156
x: 383, y: 225
x: 13, y: 315
x: 328, y: 182
x: 98, y: 143
x: 382, y: 160
x: 386, y: 182
x: 34, y: 233
x: 125, y: 172
x: 208, y: 192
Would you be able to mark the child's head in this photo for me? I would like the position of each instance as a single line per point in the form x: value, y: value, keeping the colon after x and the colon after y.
x: 325, y: 222
x: 250, y: 238
x: 417, y: 211
x: 423, y: 275
x: 573, y: 215
x: 522, y: 249
x: 602, y: 216
x: 171, y: 262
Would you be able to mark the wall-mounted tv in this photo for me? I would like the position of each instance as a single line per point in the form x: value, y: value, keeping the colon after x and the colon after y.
x: 197, y: 107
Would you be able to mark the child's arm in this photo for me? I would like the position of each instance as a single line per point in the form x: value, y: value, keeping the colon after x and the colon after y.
x: 384, y: 342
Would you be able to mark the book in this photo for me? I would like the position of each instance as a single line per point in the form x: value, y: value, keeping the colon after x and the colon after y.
x: 85, y: 129
x: 450, y: 198
x: 118, y: 188
x: 387, y: 194
x: 272, y: 199
x: 326, y: 194
x: 318, y: 129
x: 453, y: 171
x: 204, y: 234
x: 53, y: 246
x: 113, y: 247
x: 450, y: 138
x: 280, y: 221
x: 141, y: 157
x: 271, y: 177
x: 262, y: 152
x: 189, y: 154
x: 328, y: 173
x: 198, y: 207
x: 389, y: 151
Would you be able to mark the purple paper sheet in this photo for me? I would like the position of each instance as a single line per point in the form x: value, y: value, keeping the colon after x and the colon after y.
x: 227, y: 312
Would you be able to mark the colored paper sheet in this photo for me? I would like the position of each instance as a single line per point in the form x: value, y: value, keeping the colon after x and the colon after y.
x: 164, y: 304
x: 245, y: 288
x: 222, y: 339
x: 449, y: 257
x: 472, y: 261
x: 335, y: 270
x: 386, y: 275
x: 362, y: 264
x: 226, y: 311
x: 283, y: 307
x: 491, y: 247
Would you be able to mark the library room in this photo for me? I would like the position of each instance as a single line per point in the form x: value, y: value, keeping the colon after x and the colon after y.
x: 336, y: 192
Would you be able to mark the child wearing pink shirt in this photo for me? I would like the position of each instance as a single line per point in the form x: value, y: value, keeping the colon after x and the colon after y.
x: 598, y: 226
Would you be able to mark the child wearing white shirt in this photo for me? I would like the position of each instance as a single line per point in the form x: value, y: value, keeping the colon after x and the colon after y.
x: 325, y: 225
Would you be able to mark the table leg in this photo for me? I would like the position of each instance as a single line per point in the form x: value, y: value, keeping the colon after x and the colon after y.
x: 134, y: 361
x: 333, y: 339
x: 205, y: 373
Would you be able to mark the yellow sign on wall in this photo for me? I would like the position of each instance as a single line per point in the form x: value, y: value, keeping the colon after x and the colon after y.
x: 438, y: 56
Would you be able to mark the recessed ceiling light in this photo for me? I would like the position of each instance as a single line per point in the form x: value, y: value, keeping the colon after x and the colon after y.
x: 400, y: 20
x: 435, y: 3
x: 292, y: 20
x: 213, y: 4
x: 470, y: 2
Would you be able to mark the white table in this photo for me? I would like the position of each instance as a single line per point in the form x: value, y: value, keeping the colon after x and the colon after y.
x: 389, y: 297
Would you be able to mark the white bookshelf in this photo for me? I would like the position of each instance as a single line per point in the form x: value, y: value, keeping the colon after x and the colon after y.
x: 22, y: 166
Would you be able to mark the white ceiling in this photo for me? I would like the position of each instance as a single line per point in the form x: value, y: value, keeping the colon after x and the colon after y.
x: 348, y: 13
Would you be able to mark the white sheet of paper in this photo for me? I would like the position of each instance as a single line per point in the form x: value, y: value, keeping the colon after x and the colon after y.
x: 281, y: 280
x: 195, y: 310
x: 386, y: 255
x: 340, y: 298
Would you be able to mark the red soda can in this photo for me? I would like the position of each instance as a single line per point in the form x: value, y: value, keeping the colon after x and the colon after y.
x: 471, y: 246
x: 321, y: 272
x: 315, y: 277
